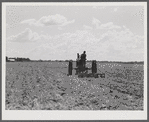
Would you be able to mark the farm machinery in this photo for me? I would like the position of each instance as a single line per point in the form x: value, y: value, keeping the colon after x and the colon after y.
x: 82, y: 70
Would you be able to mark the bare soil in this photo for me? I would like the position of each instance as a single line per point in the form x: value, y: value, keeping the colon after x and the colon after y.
x: 46, y: 86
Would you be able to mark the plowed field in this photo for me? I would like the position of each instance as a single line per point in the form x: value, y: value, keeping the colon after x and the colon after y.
x: 46, y: 86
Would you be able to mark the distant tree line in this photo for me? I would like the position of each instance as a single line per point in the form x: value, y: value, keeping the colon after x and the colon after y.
x: 122, y: 62
x: 18, y: 59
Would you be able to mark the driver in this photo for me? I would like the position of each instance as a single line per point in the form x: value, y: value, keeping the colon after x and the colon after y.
x: 83, y: 58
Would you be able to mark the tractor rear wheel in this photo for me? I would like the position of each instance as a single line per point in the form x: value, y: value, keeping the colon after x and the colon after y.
x: 94, y: 67
x: 70, y: 67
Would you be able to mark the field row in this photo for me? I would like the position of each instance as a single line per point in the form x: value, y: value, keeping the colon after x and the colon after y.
x: 38, y: 87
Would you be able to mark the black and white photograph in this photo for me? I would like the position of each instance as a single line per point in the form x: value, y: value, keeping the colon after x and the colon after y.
x: 75, y: 57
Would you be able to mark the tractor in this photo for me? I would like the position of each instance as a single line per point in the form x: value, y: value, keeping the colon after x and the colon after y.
x: 82, y: 70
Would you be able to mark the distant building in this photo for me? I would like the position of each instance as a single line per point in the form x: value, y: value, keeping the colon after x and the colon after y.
x: 17, y: 59
x: 12, y: 59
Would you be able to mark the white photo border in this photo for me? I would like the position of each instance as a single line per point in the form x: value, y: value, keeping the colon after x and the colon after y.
x: 72, y: 115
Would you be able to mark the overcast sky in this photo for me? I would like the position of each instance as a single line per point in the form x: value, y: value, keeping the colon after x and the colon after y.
x: 111, y: 33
